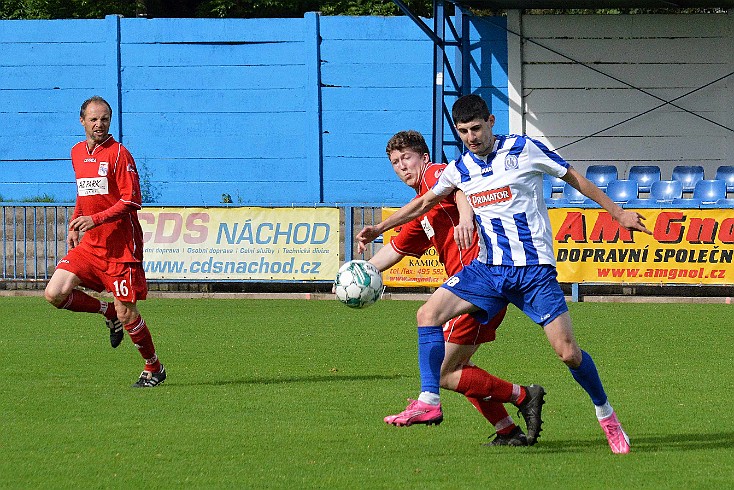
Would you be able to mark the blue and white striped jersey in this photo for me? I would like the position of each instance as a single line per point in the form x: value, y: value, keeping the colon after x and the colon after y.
x: 505, y: 189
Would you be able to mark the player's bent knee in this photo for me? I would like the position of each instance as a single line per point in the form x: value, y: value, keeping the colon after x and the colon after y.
x: 55, y: 297
x: 450, y: 380
x: 571, y: 357
x: 426, y: 316
x: 126, y: 315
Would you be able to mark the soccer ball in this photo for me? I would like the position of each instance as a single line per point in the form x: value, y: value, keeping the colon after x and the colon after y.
x: 358, y: 284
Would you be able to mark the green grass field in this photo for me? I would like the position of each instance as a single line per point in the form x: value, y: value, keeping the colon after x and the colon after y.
x: 291, y: 394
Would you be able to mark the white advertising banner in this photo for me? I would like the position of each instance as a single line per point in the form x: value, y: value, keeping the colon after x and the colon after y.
x: 245, y: 243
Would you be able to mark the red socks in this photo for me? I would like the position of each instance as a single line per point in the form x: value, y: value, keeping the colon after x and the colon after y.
x: 488, y: 393
x: 475, y: 382
x: 80, y: 301
x: 495, y: 413
x: 140, y: 335
x: 108, y: 310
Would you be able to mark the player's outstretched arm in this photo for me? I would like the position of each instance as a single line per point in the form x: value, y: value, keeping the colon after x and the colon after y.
x: 413, y: 209
x: 385, y: 258
x: 630, y: 220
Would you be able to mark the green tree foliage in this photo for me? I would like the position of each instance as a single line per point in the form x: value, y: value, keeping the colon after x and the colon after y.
x: 66, y: 9
x: 84, y: 9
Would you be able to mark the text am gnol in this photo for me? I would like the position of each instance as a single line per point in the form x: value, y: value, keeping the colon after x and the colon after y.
x: 669, y: 227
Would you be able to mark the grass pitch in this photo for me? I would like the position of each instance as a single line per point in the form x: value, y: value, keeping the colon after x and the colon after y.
x: 291, y: 394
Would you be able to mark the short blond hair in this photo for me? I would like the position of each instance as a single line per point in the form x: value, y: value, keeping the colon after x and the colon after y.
x: 411, y: 140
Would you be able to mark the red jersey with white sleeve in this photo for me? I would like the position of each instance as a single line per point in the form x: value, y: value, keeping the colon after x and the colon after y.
x: 108, y: 190
x: 435, y: 228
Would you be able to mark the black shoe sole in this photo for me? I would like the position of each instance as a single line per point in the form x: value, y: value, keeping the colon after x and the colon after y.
x: 430, y: 422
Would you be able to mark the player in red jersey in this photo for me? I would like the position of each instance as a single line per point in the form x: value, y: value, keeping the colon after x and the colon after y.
x: 445, y: 354
x: 109, y: 255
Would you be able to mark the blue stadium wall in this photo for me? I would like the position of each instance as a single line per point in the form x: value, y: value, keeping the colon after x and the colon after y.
x: 259, y: 111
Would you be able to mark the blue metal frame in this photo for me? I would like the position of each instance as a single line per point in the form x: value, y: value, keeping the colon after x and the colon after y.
x: 459, y: 79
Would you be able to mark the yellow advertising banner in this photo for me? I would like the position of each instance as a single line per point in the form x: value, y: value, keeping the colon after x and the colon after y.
x: 411, y: 272
x: 688, y: 246
x: 244, y: 243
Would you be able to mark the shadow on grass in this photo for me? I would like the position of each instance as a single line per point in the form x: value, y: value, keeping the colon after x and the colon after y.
x: 292, y: 379
x: 646, y: 444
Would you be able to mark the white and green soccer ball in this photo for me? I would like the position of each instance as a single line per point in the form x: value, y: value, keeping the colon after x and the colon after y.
x: 358, y: 284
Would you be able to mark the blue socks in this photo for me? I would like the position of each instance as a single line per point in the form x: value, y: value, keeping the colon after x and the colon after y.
x: 588, y: 377
x: 430, y: 356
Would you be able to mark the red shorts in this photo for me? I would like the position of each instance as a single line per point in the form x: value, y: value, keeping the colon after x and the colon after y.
x: 125, y: 280
x: 466, y: 330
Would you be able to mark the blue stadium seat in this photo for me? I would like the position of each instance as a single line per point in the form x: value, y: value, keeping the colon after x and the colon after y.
x: 645, y: 175
x: 725, y: 203
x: 666, y: 190
x: 547, y: 189
x: 573, y: 195
x: 550, y: 201
x: 601, y: 175
x: 621, y: 191
x: 557, y: 182
x: 688, y: 175
x: 709, y: 191
x: 573, y: 198
x: 726, y: 173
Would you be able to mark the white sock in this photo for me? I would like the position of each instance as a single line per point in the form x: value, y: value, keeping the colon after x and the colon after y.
x: 604, y: 411
x: 430, y: 398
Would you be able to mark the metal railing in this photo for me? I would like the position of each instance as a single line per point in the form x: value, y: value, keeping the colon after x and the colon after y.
x: 33, y: 240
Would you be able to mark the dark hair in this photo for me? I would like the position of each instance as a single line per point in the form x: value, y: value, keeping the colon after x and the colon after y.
x: 94, y: 98
x: 468, y: 108
x: 411, y: 139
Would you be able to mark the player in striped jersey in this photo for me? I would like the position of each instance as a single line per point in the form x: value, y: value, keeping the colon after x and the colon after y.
x: 408, y: 154
x: 502, y: 177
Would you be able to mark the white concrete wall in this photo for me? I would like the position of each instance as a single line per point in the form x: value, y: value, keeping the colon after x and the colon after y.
x: 633, y: 61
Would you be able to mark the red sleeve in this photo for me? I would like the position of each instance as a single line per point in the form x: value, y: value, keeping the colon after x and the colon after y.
x: 117, y: 211
x: 126, y: 178
x: 77, y: 212
x: 411, y: 239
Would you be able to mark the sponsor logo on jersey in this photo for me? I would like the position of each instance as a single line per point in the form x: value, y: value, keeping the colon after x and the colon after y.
x: 131, y: 167
x: 487, y: 170
x: 430, y: 232
x: 511, y: 162
x: 88, y: 160
x: 494, y: 196
x: 438, y: 173
x: 103, y: 169
x: 93, y: 186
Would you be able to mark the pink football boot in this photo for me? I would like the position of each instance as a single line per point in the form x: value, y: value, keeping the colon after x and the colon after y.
x: 617, y: 437
x: 417, y: 413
